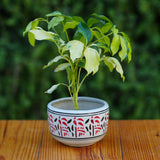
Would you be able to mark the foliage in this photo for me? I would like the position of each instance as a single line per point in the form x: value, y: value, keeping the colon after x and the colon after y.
x: 22, y: 82
x: 93, y: 42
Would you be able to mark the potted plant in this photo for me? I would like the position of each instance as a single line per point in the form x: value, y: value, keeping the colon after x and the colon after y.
x: 79, y: 121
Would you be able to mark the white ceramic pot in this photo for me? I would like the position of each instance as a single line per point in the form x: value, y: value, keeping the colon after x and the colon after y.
x: 81, y: 127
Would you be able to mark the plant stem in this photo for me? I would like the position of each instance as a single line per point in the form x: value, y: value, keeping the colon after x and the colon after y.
x: 74, y: 89
x: 75, y: 100
x: 100, y: 38
x: 79, y: 74
x: 82, y: 82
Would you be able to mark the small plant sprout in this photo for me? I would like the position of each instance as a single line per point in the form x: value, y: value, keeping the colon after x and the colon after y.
x: 89, y: 44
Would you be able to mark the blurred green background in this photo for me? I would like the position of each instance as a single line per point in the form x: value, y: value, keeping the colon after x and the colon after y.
x: 23, y: 82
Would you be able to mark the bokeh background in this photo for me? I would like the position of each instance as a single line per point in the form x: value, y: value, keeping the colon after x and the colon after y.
x: 23, y: 82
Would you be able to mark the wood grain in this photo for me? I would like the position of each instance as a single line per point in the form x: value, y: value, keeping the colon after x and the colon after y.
x: 108, y: 148
x: 140, y: 139
x: 127, y: 140
x: 20, y: 140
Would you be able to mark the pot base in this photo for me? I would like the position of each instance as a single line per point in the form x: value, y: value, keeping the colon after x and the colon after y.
x: 78, y: 142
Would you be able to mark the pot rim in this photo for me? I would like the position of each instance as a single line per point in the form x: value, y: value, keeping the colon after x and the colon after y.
x: 104, y: 106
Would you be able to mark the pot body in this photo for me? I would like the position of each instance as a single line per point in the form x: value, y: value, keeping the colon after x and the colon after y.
x: 81, y: 127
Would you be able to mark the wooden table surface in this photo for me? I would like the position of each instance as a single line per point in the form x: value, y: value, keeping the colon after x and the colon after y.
x: 125, y: 140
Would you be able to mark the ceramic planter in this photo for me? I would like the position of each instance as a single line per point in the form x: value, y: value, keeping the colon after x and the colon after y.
x: 78, y: 128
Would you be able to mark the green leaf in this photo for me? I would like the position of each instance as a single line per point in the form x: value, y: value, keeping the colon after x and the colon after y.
x: 54, y: 60
x: 78, y: 19
x: 81, y: 63
x: 114, y: 30
x: 115, y: 44
x: 106, y: 27
x: 80, y: 37
x: 112, y: 63
x: 70, y: 25
x: 92, y: 21
x: 52, y: 89
x: 31, y: 39
x: 42, y: 34
x: 96, y: 34
x: 129, y: 52
x: 123, y: 52
x: 85, y: 31
x: 102, y: 17
x: 28, y: 28
x: 129, y: 48
x: 55, y: 13
x: 67, y: 18
x: 58, y: 40
x: 103, y: 46
x: 62, y: 67
x: 100, y: 36
x: 55, y: 21
x: 92, y: 60
x: 125, y: 36
x: 76, y: 48
x: 35, y: 23
x: 108, y: 61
